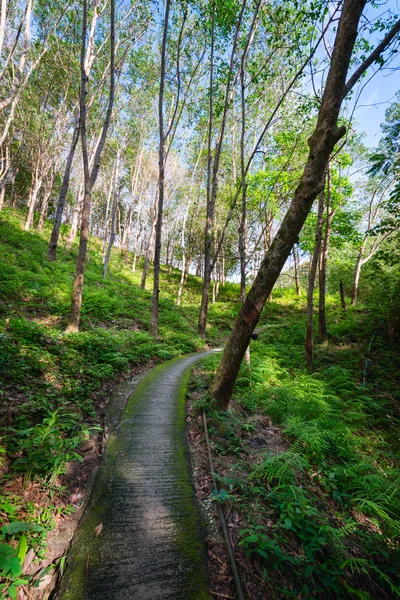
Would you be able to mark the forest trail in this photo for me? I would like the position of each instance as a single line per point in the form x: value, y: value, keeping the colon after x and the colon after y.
x: 143, y: 503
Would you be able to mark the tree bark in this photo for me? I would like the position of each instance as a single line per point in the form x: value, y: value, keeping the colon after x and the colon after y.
x: 321, y: 143
x: 55, y: 234
x: 322, y: 328
x: 296, y: 269
x: 113, y: 216
x: 37, y: 184
x: 309, y: 345
x: 161, y: 180
x: 149, y: 246
x: 342, y: 295
x: 89, y: 177
x: 212, y: 175
x: 357, y: 274
x: 202, y: 322
x: 45, y: 201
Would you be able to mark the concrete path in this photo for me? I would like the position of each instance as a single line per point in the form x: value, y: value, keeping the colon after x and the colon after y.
x: 150, y: 546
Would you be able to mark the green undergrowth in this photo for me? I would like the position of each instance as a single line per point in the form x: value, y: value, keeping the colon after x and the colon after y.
x: 52, y: 383
x: 320, y: 502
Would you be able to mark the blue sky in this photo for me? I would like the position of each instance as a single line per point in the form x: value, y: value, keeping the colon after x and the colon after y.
x: 379, y: 92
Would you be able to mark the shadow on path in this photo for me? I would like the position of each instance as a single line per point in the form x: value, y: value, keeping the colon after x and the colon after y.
x: 150, y: 546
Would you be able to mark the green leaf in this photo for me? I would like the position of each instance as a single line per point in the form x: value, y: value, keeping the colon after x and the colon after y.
x: 22, y: 548
x: 20, y: 527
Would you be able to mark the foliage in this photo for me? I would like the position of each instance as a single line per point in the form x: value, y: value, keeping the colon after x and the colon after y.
x: 321, y: 514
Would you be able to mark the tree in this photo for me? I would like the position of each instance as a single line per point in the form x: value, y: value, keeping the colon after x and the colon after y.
x: 89, y: 176
x: 321, y: 144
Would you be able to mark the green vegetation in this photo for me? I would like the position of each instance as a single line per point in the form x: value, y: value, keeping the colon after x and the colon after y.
x: 320, y: 505
x: 53, y: 383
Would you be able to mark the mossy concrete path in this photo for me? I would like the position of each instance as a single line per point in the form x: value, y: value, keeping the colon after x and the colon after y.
x: 140, y: 537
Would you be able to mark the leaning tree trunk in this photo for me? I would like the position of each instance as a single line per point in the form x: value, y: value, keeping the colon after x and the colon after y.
x: 309, y: 346
x: 55, y: 234
x: 321, y: 143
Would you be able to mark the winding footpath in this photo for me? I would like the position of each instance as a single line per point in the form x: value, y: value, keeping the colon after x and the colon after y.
x: 150, y: 546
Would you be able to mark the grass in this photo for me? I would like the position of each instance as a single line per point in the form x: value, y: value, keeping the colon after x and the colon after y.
x: 321, y: 509
x: 53, y: 383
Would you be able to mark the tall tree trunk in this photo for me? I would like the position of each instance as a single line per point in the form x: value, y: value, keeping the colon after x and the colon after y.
x: 77, y: 214
x: 2, y: 193
x: 150, y: 245
x: 309, y: 346
x: 161, y: 180
x: 243, y: 218
x: 45, y: 201
x: 106, y: 218
x: 342, y: 295
x: 113, y: 216
x: 13, y: 195
x: 357, y: 274
x: 296, y: 269
x: 55, y: 234
x: 322, y: 328
x: 37, y: 184
x: 321, y: 143
x: 202, y: 322
x: 212, y: 193
x: 89, y: 177
x: 4, y: 161
x: 135, y: 245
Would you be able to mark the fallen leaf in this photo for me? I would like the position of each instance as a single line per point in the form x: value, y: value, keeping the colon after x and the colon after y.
x: 98, y: 529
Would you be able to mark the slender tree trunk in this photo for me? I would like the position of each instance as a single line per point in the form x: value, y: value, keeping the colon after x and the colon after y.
x: 357, y: 274
x: 135, y: 246
x: 161, y: 180
x: 243, y: 218
x: 309, y: 346
x: 113, y: 216
x: 322, y: 328
x: 55, y: 234
x: 77, y: 214
x: 4, y: 161
x: 150, y: 244
x: 89, y: 178
x: 37, y: 184
x: 106, y: 218
x: 296, y: 269
x: 202, y: 322
x: 321, y: 143
x: 342, y: 295
x: 2, y: 193
x: 13, y: 195
x: 45, y: 202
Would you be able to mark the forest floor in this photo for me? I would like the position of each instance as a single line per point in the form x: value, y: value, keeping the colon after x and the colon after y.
x: 308, y: 464
x: 54, y: 387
